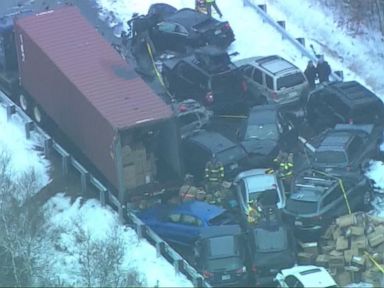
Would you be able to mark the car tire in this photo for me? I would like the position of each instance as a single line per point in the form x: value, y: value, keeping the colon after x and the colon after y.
x: 38, y: 114
x: 24, y: 102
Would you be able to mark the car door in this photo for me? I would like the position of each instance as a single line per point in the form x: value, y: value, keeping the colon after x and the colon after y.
x: 170, y: 227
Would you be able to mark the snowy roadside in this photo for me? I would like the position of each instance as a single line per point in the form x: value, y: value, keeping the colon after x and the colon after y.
x: 68, y: 219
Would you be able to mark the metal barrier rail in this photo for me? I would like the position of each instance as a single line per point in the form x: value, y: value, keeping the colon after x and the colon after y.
x: 285, y: 35
x: 105, y: 196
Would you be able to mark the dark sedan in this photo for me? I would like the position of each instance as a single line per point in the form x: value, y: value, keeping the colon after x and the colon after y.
x: 183, y: 223
x: 263, y: 133
x: 220, y: 255
x: 188, y: 28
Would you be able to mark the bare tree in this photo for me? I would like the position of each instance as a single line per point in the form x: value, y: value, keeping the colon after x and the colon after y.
x: 102, y: 261
x: 20, y: 221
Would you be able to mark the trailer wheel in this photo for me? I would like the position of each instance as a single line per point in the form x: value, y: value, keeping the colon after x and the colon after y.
x: 38, y: 115
x: 24, y: 102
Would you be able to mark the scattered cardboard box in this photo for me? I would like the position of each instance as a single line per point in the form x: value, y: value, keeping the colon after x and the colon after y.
x: 342, y: 243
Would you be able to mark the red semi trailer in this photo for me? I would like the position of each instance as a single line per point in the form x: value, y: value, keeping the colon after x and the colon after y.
x: 59, y: 69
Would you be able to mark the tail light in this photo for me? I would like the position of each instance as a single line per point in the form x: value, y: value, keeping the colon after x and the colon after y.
x: 209, y: 97
x: 350, y: 121
x: 182, y: 108
x: 227, y: 26
x: 241, y: 270
x: 207, y: 274
x: 274, y: 96
x: 244, y: 86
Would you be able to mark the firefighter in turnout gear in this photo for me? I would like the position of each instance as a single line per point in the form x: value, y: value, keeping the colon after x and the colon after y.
x: 285, y: 170
x: 214, y: 175
x: 188, y: 191
x: 254, y: 212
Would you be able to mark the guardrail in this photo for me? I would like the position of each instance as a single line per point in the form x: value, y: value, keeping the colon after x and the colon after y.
x: 285, y: 35
x: 105, y: 195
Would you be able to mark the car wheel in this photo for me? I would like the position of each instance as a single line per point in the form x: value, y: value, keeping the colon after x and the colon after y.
x: 38, y: 115
x: 24, y: 102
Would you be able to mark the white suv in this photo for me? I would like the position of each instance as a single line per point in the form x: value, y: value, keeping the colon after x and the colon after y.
x: 272, y: 79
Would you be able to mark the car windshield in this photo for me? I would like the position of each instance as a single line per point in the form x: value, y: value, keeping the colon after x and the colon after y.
x: 301, y: 207
x: 290, y: 80
x: 226, y: 264
x: 223, y: 218
x: 330, y: 158
x: 232, y: 154
x: 271, y: 240
x: 262, y: 132
x: 266, y: 197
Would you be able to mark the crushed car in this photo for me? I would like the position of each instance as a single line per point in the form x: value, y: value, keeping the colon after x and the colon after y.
x: 342, y: 102
x: 187, y: 28
x: 272, y: 247
x: 183, y: 223
x: 220, y: 255
x: 305, y: 276
x: 317, y: 198
x: 264, y: 133
x: 207, y: 76
x: 200, y: 147
x: 273, y: 79
x: 345, y: 149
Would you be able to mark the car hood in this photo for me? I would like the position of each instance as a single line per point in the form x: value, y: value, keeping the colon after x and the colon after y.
x: 261, y: 147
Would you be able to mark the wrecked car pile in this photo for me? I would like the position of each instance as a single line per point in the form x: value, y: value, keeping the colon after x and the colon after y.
x: 310, y: 149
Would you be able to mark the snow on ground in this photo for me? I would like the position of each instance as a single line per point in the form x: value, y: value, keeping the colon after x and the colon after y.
x: 64, y: 219
x: 23, y: 157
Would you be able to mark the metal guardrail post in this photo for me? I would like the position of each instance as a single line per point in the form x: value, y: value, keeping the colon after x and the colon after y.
x: 160, y: 248
x: 179, y: 265
x: 281, y: 23
x: 11, y: 109
x: 47, y: 147
x: 301, y: 40
x: 140, y: 230
x: 84, y: 182
x: 28, y: 126
x: 198, y: 281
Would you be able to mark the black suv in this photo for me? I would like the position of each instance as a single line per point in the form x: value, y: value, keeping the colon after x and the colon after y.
x: 317, y: 198
x: 220, y: 255
x: 343, y: 102
x: 198, y: 149
x: 207, y: 76
x: 346, y: 148
x: 265, y: 131
x: 187, y: 28
x: 272, y: 247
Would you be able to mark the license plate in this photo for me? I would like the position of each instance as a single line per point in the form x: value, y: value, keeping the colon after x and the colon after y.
x: 225, y: 277
x: 298, y: 223
x: 217, y: 32
x: 234, y: 166
x: 292, y: 94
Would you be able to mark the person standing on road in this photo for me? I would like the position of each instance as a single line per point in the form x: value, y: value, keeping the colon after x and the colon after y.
x: 323, y: 70
x: 212, y: 3
x: 310, y: 72
x: 214, y: 175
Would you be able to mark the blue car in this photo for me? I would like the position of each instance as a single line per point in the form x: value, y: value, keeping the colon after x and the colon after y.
x: 182, y: 224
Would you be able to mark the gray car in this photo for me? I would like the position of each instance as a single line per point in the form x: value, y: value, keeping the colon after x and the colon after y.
x: 257, y: 184
x: 273, y: 79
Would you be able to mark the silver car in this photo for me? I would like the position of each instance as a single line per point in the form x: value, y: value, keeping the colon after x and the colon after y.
x: 273, y: 79
x: 257, y: 184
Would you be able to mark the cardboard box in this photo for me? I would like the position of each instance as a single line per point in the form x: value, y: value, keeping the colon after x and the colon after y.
x: 129, y: 176
x: 322, y: 260
x: 306, y: 258
x: 336, y: 233
x: 342, y: 243
x: 343, y: 278
x: 375, y: 238
x: 358, y: 261
x: 348, y: 254
x: 355, y: 230
x: 354, y: 272
x: 127, y: 155
x: 346, y: 220
x: 359, y: 242
x: 336, y: 262
x: 329, y: 232
x: 310, y: 247
x: 326, y: 249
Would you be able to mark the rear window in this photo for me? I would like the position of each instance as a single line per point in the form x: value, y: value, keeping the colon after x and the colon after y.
x: 223, y: 246
x: 301, y: 207
x: 331, y: 157
x: 271, y: 241
x: 290, y: 80
x: 232, y: 154
x: 355, y: 146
